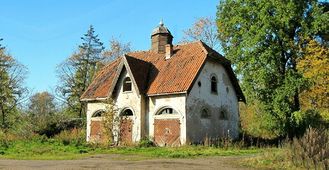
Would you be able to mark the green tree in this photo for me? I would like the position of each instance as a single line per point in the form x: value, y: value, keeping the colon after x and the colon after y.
x: 263, y: 40
x: 42, y: 103
x: 12, y: 92
x: 77, y: 72
x: 41, y: 111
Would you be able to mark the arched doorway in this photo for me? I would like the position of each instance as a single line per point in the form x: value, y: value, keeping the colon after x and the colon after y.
x: 95, y: 126
x: 126, y: 126
x: 167, y: 127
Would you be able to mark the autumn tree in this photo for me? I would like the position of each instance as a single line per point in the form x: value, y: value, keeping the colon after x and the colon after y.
x: 262, y: 39
x: 314, y: 66
x: 203, y: 29
x: 12, y: 91
x: 42, y: 103
x: 77, y: 72
x: 41, y: 111
x: 116, y: 49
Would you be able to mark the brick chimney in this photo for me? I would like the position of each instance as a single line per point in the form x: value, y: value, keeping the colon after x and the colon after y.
x: 160, y: 37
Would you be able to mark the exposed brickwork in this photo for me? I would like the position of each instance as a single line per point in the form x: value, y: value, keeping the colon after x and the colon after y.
x: 126, y: 125
x: 167, y: 132
x: 96, y: 130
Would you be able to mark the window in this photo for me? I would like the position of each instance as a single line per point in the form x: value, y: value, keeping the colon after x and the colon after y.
x: 167, y: 111
x: 98, y: 113
x: 126, y: 84
x: 127, y: 112
x: 223, y: 115
x: 205, y: 113
x: 213, y: 84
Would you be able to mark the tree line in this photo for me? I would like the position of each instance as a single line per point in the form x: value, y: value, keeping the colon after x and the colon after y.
x: 278, y: 49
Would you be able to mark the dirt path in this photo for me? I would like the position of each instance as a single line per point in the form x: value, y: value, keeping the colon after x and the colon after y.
x: 124, y: 162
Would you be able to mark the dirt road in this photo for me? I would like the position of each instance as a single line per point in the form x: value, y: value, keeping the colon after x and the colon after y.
x: 124, y: 162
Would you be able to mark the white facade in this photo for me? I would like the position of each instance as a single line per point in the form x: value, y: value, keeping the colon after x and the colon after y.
x: 201, y: 97
x: 193, y: 128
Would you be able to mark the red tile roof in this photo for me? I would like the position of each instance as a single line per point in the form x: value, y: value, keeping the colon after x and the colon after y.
x: 154, y: 75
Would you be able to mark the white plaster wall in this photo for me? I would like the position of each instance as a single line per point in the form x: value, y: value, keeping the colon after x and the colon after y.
x: 201, y: 97
x: 91, y: 109
x: 131, y: 100
x: 175, y: 101
x: 123, y: 100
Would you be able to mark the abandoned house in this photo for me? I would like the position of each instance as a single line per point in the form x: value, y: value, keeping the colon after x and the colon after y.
x: 172, y: 94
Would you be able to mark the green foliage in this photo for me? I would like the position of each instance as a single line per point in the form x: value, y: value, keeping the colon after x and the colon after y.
x: 271, y: 158
x: 110, y: 123
x: 312, y: 150
x: 145, y: 143
x: 42, y: 104
x: 77, y: 72
x: 72, y: 136
x: 255, y: 122
x: 12, y: 92
x: 301, y: 120
x: 263, y: 40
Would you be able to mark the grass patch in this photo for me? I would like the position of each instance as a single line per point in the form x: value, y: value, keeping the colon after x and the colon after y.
x: 271, y: 158
x: 50, y: 149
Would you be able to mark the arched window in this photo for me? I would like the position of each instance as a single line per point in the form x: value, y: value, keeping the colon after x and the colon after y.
x: 205, y: 113
x: 167, y: 110
x: 213, y: 84
x: 127, y: 112
x: 98, y: 113
x: 223, y: 115
x: 127, y: 84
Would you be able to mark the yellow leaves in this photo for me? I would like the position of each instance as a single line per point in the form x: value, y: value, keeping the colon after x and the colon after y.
x: 314, y: 66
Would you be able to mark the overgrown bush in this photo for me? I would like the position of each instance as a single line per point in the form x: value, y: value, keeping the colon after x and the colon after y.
x: 312, y: 150
x: 110, y: 124
x: 301, y: 120
x: 146, y: 142
x: 73, y: 136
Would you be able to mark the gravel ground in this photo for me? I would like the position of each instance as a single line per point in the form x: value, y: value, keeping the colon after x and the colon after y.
x: 129, y: 162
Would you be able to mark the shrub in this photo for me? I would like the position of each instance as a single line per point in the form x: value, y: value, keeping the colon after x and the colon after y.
x: 74, y: 136
x: 312, y: 150
x: 146, y: 142
x: 301, y: 120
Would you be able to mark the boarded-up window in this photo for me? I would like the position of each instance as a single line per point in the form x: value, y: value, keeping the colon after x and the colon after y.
x: 127, y: 84
x: 223, y: 115
x: 205, y: 113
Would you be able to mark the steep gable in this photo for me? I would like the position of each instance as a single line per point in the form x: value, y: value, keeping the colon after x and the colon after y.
x: 105, y: 79
x: 155, y: 75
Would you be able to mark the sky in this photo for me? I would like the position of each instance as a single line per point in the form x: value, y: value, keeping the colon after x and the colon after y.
x: 41, y: 34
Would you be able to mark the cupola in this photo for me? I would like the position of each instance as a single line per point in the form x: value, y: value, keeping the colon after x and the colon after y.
x: 160, y: 38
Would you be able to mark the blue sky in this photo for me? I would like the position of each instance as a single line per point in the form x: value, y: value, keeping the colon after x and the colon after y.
x: 42, y: 33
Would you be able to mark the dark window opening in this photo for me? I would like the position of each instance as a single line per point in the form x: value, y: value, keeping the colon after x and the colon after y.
x: 213, y: 84
x: 127, y: 84
x: 222, y: 115
x: 167, y: 111
x: 98, y: 114
x: 127, y: 112
x: 205, y: 113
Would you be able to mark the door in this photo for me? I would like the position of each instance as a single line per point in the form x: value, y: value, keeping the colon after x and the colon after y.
x: 167, y: 132
x: 126, y: 125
